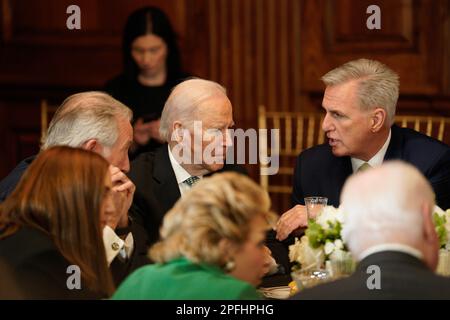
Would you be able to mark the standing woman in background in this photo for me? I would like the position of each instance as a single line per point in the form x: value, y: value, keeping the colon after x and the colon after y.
x: 51, y: 227
x: 151, y: 68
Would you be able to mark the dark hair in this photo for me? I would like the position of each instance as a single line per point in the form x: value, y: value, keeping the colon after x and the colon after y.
x: 150, y: 20
x: 61, y: 194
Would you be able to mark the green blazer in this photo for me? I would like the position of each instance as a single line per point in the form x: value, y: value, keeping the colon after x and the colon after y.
x: 181, y: 279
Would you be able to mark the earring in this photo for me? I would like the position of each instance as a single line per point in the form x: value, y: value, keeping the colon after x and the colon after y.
x: 229, y: 266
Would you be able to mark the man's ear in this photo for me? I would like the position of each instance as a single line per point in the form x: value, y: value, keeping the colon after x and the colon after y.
x: 379, y: 117
x: 431, y: 240
x: 92, y: 145
x: 177, y: 129
x: 429, y: 230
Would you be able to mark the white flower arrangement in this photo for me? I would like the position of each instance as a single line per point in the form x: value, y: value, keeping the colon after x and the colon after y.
x: 331, y: 247
x: 302, y: 253
x: 322, y: 241
x: 329, y: 216
x: 441, y: 220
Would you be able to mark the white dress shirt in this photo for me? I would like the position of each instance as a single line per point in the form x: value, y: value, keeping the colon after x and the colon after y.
x: 180, y: 173
x: 391, y: 247
x: 114, y: 245
x: 376, y: 160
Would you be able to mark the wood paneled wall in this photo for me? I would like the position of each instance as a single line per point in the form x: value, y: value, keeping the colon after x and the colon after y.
x: 255, y: 52
x: 40, y: 58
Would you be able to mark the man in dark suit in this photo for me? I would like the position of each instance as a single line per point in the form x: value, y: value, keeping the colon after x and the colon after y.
x: 95, y: 121
x: 394, y: 240
x: 428, y: 155
x: 194, y: 123
x: 360, y: 100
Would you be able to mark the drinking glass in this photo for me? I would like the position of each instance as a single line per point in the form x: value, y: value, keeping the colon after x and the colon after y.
x: 308, y: 278
x: 314, y: 206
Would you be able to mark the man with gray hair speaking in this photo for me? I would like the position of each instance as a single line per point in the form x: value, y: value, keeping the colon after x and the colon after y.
x: 359, y: 101
x: 389, y: 229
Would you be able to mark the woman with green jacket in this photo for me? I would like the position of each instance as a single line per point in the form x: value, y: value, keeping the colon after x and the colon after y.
x: 211, y: 247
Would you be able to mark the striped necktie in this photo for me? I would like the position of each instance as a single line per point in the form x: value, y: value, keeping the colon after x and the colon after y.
x: 191, y: 181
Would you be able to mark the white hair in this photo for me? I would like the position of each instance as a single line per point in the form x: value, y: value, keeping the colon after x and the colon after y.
x: 384, y: 205
x: 183, y: 103
x: 378, y: 85
x: 84, y: 116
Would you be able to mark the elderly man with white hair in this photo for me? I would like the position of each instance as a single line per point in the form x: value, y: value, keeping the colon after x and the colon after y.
x: 97, y: 122
x: 194, y: 124
x: 389, y: 230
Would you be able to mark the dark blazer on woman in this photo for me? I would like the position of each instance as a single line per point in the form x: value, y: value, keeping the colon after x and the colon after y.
x: 40, y: 271
x: 120, y: 268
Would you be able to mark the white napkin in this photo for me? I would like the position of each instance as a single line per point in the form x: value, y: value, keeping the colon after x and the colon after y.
x: 282, y: 292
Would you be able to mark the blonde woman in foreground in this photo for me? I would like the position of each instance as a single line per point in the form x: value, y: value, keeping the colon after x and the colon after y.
x: 212, y: 244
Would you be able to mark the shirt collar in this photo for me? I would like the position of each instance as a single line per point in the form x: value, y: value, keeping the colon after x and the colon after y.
x: 376, y: 160
x: 180, y: 173
x: 391, y: 247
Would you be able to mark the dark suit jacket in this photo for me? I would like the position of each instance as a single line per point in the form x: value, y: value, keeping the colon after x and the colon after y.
x: 9, y: 183
x: 39, y: 269
x: 157, y: 188
x: 319, y: 173
x: 402, y: 276
x: 120, y: 269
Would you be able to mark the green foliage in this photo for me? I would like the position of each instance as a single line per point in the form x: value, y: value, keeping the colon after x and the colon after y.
x: 317, y: 235
x: 439, y: 222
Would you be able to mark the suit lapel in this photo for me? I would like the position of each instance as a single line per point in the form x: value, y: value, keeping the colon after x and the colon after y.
x: 166, y: 190
x: 394, y: 150
x: 341, y: 172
